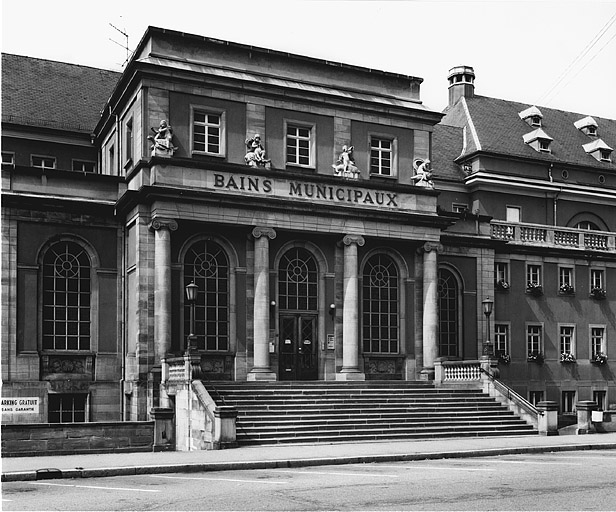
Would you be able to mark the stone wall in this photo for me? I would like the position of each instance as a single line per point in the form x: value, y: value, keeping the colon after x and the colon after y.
x: 64, y: 439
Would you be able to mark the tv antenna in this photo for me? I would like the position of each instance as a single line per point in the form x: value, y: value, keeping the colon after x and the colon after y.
x: 125, y: 46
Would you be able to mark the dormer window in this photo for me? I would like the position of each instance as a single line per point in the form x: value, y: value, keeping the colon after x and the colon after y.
x: 587, y: 125
x: 532, y: 116
x: 538, y: 140
x: 599, y: 150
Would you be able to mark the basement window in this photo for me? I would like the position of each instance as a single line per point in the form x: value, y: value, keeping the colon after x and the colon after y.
x: 67, y: 408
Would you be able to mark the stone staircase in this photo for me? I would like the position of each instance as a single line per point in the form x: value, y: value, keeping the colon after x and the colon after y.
x: 310, y: 412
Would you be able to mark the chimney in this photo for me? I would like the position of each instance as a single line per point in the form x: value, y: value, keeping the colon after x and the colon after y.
x: 461, y: 83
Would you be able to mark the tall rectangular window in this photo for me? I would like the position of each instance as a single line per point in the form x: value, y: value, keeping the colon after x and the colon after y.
x: 596, y: 278
x: 599, y: 396
x: 43, y: 162
x: 567, y: 339
x: 501, y: 339
x: 501, y: 275
x: 534, y: 339
x: 381, y: 156
x: 565, y: 279
x: 598, y: 343
x: 112, y: 161
x: 299, y: 144
x: 129, y: 140
x: 208, y: 132
x: 567, y: 402
x: 67, y: 408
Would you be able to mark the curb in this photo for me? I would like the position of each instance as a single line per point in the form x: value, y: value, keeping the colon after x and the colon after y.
x: 52, y: 473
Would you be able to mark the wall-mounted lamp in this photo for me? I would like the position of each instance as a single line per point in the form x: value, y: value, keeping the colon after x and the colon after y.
x: 332, y: 309
x: 273, y: 304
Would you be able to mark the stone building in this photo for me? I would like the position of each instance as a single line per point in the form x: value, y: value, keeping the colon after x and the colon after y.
x: 329, y: 227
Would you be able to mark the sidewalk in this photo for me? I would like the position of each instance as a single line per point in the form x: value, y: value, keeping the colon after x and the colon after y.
x: 115, y: 464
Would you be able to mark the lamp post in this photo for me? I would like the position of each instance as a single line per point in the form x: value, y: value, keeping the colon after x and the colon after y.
x: 488, y: 347
x: 191, y: 297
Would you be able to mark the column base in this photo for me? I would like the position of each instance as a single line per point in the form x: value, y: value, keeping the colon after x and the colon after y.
x: 261, y: 374
x: 426, y: 374
x: 350, y: 376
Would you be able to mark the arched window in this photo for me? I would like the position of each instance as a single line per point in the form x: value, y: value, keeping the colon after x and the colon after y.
x: 206, y: 264
x: 297, y: 280
x: 381, y: 299
x: 587, y: 225
x: 67, y: 290
x: 449, y: 310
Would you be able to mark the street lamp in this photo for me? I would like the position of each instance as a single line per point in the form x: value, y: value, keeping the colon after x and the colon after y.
x: 488, y: 348
x: 191, y: 297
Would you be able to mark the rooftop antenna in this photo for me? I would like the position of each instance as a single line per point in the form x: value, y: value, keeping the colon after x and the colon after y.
x: 125, y: 46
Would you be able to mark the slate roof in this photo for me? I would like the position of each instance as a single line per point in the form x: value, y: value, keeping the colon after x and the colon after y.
x: 447, y: 146
x: 45, y: 93
x: 500, y: 130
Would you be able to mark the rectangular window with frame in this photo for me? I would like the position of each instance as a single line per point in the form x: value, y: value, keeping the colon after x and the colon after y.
x: 598, y: 342
x: 459, y: 208
x: 501, y: 275
x: 566, y: 336
x: 382, y: 156
x: 534, y: 340
x: 567, y: 404
x: 596, y: 278
x: 67, y: 407
x: 43, y: 162
x: 501, y: 339
x: 300, y: 145
x: 514, y: 214
x: 599, y: 396
x: 84, y: 166
x: 8, y: 159
x: 208, y: 132
x: 566, y: 280
x: 534, y: 397
x: 534, y: 284
x: 129, y: 141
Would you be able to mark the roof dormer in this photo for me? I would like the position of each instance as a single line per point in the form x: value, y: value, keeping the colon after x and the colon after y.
x: 599, y: 150
x: 538, y: 140
x: 532, y: 116
x: 587, y: 125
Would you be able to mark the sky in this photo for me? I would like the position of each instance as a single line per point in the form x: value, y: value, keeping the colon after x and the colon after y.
x: 558, y: 54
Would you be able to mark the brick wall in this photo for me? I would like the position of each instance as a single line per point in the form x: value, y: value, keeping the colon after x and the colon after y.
x: 64, y: 439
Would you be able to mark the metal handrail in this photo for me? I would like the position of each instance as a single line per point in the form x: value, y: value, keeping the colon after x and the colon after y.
x: 511, y: 394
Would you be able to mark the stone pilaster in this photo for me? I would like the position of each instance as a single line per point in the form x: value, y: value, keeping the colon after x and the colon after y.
x: 261, y: 367
x: 350, y: 311
x: 430, y: 307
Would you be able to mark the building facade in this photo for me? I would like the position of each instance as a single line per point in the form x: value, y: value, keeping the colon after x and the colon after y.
x: 285, y: 218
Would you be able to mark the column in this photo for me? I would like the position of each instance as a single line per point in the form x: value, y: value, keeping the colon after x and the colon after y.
x: 162, y: 285
x: 261, y: 314
x: 162, y: 302
x: 350, y: 311
x: 430, y: 308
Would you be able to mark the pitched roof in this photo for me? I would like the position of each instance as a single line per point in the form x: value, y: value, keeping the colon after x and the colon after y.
x: 45, y: 93
x: 500, y: 130
x: 447, y: 142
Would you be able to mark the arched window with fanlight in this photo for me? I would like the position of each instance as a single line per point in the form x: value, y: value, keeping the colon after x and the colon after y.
x: 67, y: 297
x: 380, y: 306
x: 207, y: 265
x: 450, y: 307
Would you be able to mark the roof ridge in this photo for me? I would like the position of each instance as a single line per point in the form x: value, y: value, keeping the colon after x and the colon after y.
x: 7, y: 54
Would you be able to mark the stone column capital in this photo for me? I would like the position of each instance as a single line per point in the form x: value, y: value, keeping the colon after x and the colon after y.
x: 258, y: 232
x: 431, y: 246
x: 354, y: 239
x: 161, y: 223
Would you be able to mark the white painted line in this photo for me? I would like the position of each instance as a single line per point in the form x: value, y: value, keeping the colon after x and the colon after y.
x: 606, y: 457
x: 333, y: 473
x: 538, y: 463
x: 445, y: 468
x: 96, y: 487
x: 219, y: 479
x: 4, y: 499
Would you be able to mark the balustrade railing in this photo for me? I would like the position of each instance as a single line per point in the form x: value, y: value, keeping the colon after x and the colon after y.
x: 553, y: 236
x: 458, y: 371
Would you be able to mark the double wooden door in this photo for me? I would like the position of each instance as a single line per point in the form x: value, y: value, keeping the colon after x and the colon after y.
x: 298, y: 347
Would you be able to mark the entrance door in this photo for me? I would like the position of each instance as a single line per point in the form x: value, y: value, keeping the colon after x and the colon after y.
x: 298, y: 347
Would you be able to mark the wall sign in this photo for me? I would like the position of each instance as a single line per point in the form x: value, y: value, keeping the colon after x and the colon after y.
x: 20, y: 405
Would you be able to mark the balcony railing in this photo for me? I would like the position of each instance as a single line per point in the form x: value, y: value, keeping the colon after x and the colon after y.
x: 553, y: 236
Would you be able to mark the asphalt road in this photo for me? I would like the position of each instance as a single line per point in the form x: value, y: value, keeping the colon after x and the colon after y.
x: 558, y: 481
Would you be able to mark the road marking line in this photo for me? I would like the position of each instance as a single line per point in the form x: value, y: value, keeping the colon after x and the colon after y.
x: 219, y: 479
x: 334, y: 473
x: 584, y: 457
x: 539, y: 463
x: 446, y: 468
x: 96, y: 487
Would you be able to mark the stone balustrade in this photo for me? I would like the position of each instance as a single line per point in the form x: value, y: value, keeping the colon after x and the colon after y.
x: 553, y: 236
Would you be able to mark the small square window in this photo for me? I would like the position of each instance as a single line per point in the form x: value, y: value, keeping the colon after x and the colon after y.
x: 84, y: 166
x: 8, y: 159
x: 459, y: 207
x: 605, y: 155
x: 534, y: 397
x: 535, y: 120
x: 544, y: 145
x: 514, y: 214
